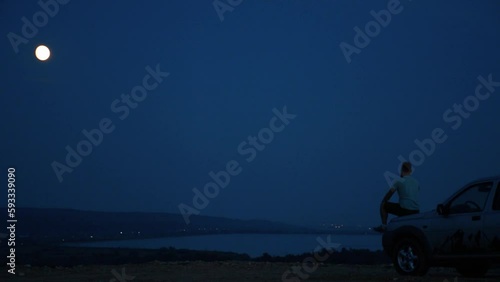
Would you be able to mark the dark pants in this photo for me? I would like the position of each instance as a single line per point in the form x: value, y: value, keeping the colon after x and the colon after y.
x: 396, y: 209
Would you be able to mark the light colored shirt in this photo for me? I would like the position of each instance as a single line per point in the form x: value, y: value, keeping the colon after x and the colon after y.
x: 408, y: 189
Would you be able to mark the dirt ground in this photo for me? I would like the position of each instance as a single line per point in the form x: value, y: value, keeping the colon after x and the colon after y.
x: 226, y: 271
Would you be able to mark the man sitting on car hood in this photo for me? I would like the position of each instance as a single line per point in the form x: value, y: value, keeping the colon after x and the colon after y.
x: 408, y: 189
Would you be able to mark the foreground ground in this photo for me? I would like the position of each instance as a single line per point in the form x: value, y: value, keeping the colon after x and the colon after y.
x: 232, y: 271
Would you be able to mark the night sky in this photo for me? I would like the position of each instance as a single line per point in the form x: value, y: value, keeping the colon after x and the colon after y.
x: 227, y: 71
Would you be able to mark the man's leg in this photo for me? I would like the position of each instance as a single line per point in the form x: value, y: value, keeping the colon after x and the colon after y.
x: 405, y: 212
x: 383, y: 213
x: 386, y: 208
x: 389, y: 208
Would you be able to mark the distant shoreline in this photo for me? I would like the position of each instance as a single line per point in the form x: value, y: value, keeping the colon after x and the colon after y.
x: 53, y: 255
x: 125, y: 238
x: 253, y: 244
x: 70, y: 225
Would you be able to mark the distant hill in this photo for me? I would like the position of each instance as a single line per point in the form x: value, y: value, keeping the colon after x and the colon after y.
x: 69, y: 225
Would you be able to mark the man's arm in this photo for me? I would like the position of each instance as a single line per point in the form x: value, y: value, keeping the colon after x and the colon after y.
x: 389, y: 194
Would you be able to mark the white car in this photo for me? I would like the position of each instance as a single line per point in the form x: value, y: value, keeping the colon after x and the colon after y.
x: 463, y: 232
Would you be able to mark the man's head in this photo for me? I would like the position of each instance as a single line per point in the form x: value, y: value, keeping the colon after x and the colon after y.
x: 405, y: 169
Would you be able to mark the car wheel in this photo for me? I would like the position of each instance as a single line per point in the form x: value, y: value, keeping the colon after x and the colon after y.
x: 409, y: 258
x: 473, y: 269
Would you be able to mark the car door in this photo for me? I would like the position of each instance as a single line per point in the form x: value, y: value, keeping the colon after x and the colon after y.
x: 491, y: 224
x: 460, y: 229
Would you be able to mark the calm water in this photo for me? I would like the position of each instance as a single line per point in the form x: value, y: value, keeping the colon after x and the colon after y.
x: 251, y: 244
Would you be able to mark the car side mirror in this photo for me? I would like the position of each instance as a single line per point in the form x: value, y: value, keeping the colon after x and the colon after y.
x: 442, y: 209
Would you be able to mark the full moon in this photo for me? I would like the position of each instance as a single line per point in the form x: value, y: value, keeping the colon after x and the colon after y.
x: 42, y: 52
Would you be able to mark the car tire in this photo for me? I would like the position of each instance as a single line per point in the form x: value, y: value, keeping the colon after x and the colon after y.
x: 473, y: 269
x: 409, y: 257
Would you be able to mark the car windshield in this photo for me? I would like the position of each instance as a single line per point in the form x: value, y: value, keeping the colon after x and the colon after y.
x: 473, y: 199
